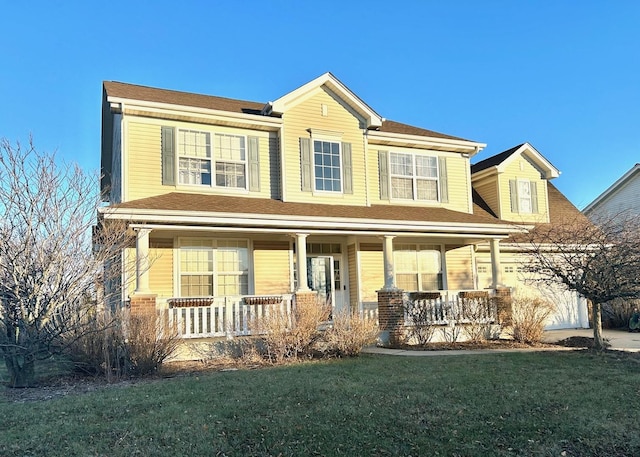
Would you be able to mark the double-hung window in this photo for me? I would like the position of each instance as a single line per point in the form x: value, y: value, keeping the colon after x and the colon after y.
x: 414, y: 177
x: 327, y: 166
x: 194, y: 157
x: 524, y: 196
x: 209, y: 267
x: 199, y: 159
x: 418, y: 267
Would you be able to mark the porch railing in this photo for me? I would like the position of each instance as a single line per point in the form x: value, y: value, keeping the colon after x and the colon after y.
x: 206, y: 317
x: 449, y: 307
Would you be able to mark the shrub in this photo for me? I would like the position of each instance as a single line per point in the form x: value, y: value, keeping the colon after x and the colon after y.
x: 292, y: 335
x: 529, y: 317
x: 150, y: 342
x: 477, y: 310
x: 421, y: 327
x: 349, y: 334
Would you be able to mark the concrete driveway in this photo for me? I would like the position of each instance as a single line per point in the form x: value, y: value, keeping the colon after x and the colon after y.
x: 619, y: 339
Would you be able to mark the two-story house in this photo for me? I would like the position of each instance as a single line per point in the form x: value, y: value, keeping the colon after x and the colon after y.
x: 233, y: 202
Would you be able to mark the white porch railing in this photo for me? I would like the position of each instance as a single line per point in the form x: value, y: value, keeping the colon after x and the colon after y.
x: 450, y: 307
x: 206, y: 317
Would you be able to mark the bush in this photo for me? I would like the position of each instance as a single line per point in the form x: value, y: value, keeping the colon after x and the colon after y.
x: 616, y: 313
x: 292, y: 335
x: 421, y: 327
x: 349, y: 334
x: 150, y: 341
x: 529, y: 317
x: 477, y: 311
x: 122, y: 344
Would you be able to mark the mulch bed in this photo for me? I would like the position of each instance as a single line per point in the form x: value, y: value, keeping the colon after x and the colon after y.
x: 573, y: 342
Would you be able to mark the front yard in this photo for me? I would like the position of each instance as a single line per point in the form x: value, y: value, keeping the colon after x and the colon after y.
x: 554, y: 403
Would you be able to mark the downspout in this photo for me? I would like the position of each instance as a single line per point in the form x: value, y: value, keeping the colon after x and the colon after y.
x: 283, y: 187
x: 365, y: 147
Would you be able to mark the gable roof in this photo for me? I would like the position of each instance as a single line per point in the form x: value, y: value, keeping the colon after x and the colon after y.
x: 613, y: 188
x: 500, y: 161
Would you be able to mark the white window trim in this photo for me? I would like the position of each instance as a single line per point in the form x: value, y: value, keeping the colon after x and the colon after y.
x: 520, y: 196
x: 331, y: 137
x: 179, y: 243
x: 212, y: 161
x: 414, y: 178
x: 418, y: 246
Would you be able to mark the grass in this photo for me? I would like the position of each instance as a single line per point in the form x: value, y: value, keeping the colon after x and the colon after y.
x: 499, y: 404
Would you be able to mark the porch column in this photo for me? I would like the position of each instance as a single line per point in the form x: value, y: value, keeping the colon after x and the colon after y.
x: 387, y: 250
x: 301, y: 261
x: 496, y: 271
x: 142, y: 261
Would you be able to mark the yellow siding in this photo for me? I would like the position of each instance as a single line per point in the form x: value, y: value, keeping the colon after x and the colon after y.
x: 371, y: 275
x: 460, y: 268
x: 488, y: 190
x: 308, y: 115
x: 353, y: 276
x: 271, y: 268
x: 457, y: 178
x: 143, y: 174
x: 161, y: 270
x: 523, y: 169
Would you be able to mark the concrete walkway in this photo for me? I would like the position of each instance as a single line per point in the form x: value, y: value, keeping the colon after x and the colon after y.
x: 619, y: 340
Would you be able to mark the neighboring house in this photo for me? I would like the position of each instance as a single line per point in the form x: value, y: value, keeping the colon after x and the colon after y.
x: 623, y: 196
x: 234, y: 201
x: 515, y: 186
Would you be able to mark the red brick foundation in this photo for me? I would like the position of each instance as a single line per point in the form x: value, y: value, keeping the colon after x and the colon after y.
x: 504, y: 306
x: 143, y: 303
x: 391, y: 316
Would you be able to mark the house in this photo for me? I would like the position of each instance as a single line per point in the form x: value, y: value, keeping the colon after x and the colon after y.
x: 233, y: 201
x: 514, y: 185
x: 623, y: 196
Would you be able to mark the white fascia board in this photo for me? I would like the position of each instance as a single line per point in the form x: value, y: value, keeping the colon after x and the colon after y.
x: 303, y: 222
x: 550, y: 171
x: 291, y: 231
x: 167, y: 108
x: 280, y: 105
x: 470, y: 147
x: 479, y: 175
x: 612, y: 189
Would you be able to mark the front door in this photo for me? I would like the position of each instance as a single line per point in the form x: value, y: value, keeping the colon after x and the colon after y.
x: 324, y: 277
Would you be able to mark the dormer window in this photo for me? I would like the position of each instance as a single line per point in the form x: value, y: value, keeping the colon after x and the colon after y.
x: 524, y: 196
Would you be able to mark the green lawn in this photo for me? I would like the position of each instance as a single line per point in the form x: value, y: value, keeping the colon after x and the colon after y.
x: 498, y: 404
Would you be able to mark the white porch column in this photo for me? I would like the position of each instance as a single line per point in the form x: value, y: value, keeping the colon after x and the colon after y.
x: 301, y: 261
x: 142, y: 261
x: 496, y: 271
x: 387, y: 250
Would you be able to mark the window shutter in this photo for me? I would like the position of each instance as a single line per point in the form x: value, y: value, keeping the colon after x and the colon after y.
x: 383, y: 168
x: 305, y: 164
x: 444, y: 182
x: 513, y: 188
x: 347, y: 173
x: 534, y: 196
x: 254, y: 164
x: 168, y: 156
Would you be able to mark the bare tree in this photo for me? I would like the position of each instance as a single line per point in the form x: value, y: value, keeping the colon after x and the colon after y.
x: 49, y: 266
x: 600, y: 261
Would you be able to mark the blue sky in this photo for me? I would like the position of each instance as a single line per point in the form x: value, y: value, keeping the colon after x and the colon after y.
x: 562, y: 75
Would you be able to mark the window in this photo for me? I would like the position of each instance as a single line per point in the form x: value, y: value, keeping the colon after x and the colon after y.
x: 326, y: 166
x: 413, y: 177
x: 196, y: 160
x: 524, y: 196
x: 194, y: 152
x: 418, y: 267
x: 214, y: 268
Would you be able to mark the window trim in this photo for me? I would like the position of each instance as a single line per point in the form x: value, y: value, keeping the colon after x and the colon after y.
x: 521, y: 197
x: 182, y: 243
x: 213, y: 161
x: 414, y: 177
x: 313, y: 166
x: 418, y: 248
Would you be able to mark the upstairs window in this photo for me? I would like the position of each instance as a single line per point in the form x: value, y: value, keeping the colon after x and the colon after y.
x: 197, y: 162
x: 524, y: 196
x: 327, y: 166
x: 414, y: 177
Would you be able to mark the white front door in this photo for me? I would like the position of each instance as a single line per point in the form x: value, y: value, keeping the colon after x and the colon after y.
x: 324, y: 277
